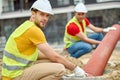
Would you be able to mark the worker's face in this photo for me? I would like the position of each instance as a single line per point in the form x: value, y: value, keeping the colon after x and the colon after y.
x: 80, y: 16
x: 41, y: 18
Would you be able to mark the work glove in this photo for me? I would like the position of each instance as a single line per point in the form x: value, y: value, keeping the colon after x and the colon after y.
x: 108, y: 29
x: 78, y: 72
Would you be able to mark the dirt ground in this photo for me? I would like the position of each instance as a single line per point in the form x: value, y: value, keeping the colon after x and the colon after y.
x: 112, y: 70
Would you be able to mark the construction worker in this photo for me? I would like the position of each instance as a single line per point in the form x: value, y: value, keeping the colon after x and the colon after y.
x: 24, y: 46
x: 77, y: 42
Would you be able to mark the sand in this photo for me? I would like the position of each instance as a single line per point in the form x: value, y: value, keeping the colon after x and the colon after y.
x: 112, y: 69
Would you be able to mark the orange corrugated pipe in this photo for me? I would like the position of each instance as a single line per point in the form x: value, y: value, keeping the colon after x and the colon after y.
x: 98, y: 61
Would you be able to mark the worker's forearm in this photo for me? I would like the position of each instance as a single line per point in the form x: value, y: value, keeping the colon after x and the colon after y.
x: 92, y: 41
x: 69, y: 65
x: 55, y: 57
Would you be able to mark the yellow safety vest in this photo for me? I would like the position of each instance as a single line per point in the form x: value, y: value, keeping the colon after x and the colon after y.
x: 69, y: 39
x: 13, y: 61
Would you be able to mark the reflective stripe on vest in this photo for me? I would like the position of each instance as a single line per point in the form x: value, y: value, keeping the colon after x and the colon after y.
x: 12, y: 67
x: 69, y: 39
x: 18, y: 59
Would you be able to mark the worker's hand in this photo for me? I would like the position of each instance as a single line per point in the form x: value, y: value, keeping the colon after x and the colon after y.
x: 79, y: 72
x: 108, y: 29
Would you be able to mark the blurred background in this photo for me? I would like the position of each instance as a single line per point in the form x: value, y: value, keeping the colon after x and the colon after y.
x: 102, y: 13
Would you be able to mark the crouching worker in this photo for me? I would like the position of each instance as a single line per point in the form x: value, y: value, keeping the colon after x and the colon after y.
x: 24, y: 44
x: 77, y: 42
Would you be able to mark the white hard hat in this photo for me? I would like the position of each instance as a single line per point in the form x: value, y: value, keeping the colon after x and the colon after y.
x: 80, y: 7
x: 43, y: 5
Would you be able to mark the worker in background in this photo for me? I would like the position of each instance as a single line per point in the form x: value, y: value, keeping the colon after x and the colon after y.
x: 24, y: 46
x: 77, y: 42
